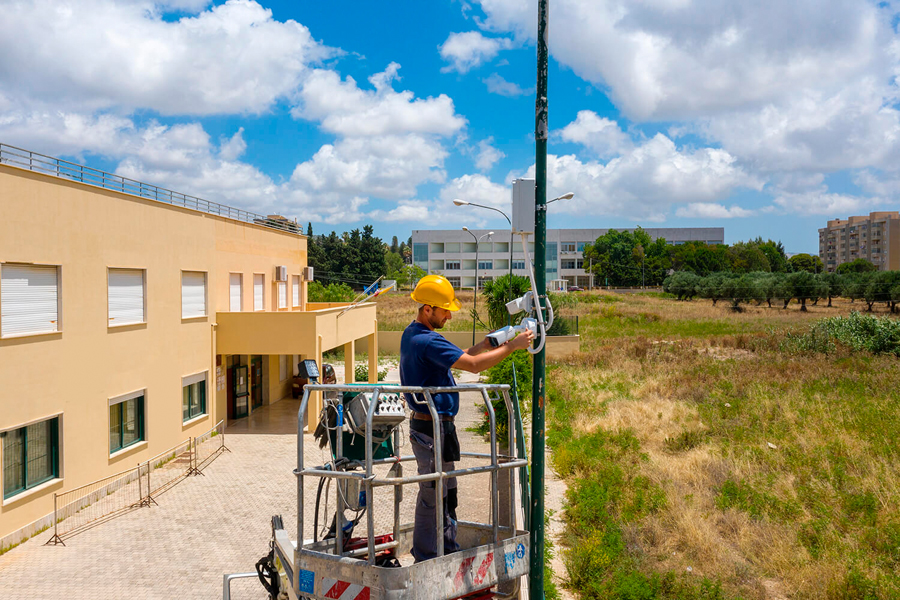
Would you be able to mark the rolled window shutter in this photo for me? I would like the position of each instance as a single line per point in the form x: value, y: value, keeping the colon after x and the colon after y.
x: 258, y: 292
x: 29, y: 299
x: 193, y: 294
x: 296, y: 289
x: 126, y: 296
x: 235, y: 292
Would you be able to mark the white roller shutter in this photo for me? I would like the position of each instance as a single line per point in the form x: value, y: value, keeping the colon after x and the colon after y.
x: 193, y: 294
x: 235, y: 292
x: 296, y: 289
x: 126, y: 296
x: 29, y: 299
x: 258, y: 291
x: 282, y: 294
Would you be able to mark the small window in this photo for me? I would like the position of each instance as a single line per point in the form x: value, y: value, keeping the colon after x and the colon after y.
x: 126, y: 421
x: 30, y: 456
x: 581, y: 246
x: 193, y: 294
x: 451, y: 265
x: 235, y: 292
x: 259, y: 281
x: 485, y: 265
x: 282, y: 294
x: 454, y: 281
x: 29, y: 300
x: 567, y: 247
x: 193, y: 396
x: 295, y: 290
x: 518, y: 265
x: 567, y: 264
x: 125, y: 300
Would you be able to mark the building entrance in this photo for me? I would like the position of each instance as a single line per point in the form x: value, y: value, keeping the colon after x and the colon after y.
x: 256, y: 381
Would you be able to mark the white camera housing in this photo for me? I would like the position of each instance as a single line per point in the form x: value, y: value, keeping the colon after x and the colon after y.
x: 522, y: 304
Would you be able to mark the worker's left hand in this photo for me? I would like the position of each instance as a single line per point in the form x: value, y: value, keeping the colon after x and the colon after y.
x: 521, y: 341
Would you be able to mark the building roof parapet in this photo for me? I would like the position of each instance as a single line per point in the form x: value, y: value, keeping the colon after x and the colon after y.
x: 57, y: 167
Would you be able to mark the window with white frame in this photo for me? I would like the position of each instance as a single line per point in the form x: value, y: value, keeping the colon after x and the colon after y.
x: 29, y: 299
x: 485, y: 265
x: 193, y: 396
x: 126, y: 421
x: 567, y: 247
x: 282, y: 294
x: 451, y: 265
x: 259, y: 281
x: 235, y: 292
x: 295, y: 290
x: 126, y: 296
x: 30, y: 456
x: 193, y: 294
x: 518, y: 265
x: 567, y: 264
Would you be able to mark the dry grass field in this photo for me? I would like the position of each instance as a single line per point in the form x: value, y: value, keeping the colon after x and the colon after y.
x: 709, y: 457
x: 396, y: 310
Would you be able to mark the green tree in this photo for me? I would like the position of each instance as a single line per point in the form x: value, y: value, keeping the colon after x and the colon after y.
x: 700, y: 258
x: 712, y: 286
x: 498, y: 292
x: 332, y: 292
x: 804, y: 286
x: 806, y: 262
x: 393, y: 266
x: 621, y: 258
x: 859, y: 265
x: 774, y: 251
x: 746, y: 258
x: 682, y: 285
x: 833, y: 283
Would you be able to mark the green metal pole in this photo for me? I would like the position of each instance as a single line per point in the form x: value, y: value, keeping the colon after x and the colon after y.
x: 536, y: 575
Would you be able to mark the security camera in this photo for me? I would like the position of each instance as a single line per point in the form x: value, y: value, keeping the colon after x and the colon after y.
x: 522, y: 304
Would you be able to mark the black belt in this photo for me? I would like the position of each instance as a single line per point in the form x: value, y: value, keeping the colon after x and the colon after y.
x: 427, y: 417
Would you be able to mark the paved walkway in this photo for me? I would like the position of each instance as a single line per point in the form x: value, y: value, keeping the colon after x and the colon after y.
x: 204, y: 526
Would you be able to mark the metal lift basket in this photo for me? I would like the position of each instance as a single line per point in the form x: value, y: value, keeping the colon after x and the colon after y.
x: 490, y: 553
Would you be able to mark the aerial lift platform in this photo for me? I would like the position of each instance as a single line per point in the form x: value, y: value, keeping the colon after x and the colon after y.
x: 366, y: 476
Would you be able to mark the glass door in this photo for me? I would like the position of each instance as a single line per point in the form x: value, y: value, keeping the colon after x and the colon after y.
x: 241, y: 391
x: 256, y: 381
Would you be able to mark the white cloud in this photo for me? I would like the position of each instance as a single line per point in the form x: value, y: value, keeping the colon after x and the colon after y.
x: 478, y: 189
x: 599, y: 134
x: 234, y: 147
x: 646, y: 182
x: 497, y: 85
x: 712, y: 210
x: 487, y: 155
x: 389, y: 167
x: 103, y: 54
x: 823, y: 203
x: 343, y: 108
x: 665, y: 60
x: 468, y: 50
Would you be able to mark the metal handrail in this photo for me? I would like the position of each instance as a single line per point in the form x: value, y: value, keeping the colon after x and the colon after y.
x: 57, y: 167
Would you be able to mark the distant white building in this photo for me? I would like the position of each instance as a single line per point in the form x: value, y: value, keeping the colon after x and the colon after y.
x: 452, y: 252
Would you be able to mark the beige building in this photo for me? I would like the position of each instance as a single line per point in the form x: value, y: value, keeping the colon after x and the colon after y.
x: 875, y: 238
x: 131, y: 320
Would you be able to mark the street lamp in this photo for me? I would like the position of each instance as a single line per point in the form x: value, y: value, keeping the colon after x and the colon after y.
x: 475, y: 297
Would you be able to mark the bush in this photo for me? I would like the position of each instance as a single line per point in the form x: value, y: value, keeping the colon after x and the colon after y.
x: 503, y: 373
x: 878, y: 335
x: 332, y: 292
x: 361, y: 373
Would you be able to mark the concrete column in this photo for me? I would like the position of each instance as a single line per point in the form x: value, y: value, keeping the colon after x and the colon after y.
x: 349, y: 361
x: 373, y: 355
x: 314, y: 406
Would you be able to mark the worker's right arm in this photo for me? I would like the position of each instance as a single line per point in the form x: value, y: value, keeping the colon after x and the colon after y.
x: 486, y: 360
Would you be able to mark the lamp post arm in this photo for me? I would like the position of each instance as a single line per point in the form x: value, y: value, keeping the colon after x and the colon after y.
x: 493, y: 209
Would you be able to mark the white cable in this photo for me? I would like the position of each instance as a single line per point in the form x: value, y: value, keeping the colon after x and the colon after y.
x: 537, y: 297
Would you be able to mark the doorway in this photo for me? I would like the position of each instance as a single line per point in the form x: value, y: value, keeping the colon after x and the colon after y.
x: 240, y: 391
x: 256, y: 382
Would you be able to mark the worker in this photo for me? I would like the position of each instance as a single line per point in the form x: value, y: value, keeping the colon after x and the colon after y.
x: 426, y: 360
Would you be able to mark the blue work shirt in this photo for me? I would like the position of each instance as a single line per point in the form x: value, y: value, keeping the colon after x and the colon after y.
x: 425, y: 360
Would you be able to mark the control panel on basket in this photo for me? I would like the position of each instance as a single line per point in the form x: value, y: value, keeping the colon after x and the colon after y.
x: 389, y: 411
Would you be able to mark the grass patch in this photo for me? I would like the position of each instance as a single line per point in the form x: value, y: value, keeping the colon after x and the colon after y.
x: 758, y: 454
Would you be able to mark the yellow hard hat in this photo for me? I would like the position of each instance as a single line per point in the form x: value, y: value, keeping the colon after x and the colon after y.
x: 435, y: 290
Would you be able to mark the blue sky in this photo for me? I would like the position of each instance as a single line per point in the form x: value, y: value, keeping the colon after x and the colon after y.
x: 766, y: 120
